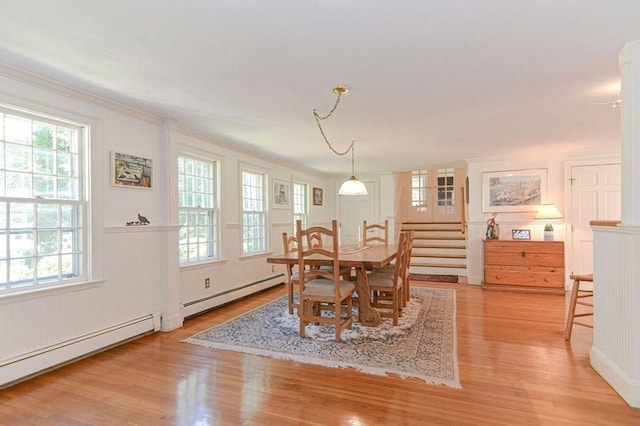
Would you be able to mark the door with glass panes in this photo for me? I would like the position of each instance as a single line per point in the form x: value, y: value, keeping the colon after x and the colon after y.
x: 437, y: 194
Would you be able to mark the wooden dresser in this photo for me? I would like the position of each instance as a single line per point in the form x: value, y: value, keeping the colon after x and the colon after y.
x: 530, y: 266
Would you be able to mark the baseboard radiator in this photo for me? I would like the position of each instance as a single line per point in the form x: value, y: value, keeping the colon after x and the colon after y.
x: 32, y: 363
x: 199, y: 306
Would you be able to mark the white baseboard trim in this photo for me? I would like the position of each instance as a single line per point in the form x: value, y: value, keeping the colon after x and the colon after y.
x: 30, y: 364
x: 172, y: 323
x: 627, y: 388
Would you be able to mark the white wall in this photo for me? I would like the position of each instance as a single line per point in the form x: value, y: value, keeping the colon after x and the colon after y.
x: 136, y: 284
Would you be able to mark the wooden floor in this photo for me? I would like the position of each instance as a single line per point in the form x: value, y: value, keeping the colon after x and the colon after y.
x: 515, y: 368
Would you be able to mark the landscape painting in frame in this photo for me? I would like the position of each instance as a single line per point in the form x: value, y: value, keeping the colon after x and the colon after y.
x: 131, y: 171
x: 513, y: 190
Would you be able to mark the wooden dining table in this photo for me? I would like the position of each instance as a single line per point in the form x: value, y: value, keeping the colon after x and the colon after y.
x: 361, y: 259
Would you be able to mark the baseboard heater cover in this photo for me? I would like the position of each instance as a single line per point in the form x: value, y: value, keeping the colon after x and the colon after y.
x: 31, y: 363
x: 198, y: 306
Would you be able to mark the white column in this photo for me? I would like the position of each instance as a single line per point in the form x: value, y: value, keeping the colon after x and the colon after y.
x: 616, y: 336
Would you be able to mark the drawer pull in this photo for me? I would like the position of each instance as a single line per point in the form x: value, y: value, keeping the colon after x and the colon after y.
x: 524, y: 254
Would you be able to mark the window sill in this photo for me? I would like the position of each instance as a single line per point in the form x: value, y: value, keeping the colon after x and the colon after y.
x: 255, y: 255
x: 34, y: 293
x: 201, y: 265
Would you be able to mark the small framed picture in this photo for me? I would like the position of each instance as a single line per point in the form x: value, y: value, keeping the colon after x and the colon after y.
x: 281, y: 194
x: 521, y: 234
x: 131, y: 171
x: 317, y: 196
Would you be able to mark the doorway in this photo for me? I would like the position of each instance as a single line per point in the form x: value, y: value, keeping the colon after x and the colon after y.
x: 436, y: 195
x: 595, y: 195
x: 354, y: 209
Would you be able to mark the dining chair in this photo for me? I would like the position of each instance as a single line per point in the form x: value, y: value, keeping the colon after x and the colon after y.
x: 322, y: 287
x: 375, y: 233
x: 387, y: 290
x: 390, y: 269
x: 290, y: 244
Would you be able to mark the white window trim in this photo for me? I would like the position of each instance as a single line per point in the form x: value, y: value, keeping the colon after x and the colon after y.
x: 243, y: 166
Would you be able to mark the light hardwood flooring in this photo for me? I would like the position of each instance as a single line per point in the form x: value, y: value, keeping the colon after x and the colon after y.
x: 515, y: 368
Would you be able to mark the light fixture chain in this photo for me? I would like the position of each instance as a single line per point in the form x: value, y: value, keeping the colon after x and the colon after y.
x: 318, y: 118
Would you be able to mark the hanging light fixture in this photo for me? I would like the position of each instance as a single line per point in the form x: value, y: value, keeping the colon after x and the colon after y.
x: 352, y: 186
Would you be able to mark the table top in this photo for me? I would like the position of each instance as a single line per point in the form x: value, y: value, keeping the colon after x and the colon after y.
x: 374, y: 256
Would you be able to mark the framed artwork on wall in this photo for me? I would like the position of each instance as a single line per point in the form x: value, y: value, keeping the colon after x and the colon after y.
x: 281, y: 194
x: 521, y: 234
x: 513, y: 190
x: 131, y: 171
x: 317, y: 196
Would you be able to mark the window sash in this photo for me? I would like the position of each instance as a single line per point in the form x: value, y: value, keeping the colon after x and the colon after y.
x: 43, y: 231
x: 254, y: 217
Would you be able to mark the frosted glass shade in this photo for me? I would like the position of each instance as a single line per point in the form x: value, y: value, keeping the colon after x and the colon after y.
x: 352, y: 187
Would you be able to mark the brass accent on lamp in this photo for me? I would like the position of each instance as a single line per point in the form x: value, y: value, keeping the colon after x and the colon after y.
x: 352, y: 186
x: 548, y: 211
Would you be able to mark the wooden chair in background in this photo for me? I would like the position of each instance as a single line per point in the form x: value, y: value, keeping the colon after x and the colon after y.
x: 322, y: 287
x: 375, y: 233
x: 290, y: 244
x: 576, y: 295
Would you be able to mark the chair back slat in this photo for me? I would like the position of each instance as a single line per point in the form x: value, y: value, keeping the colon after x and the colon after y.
x: 375, y: 233
x: 319, y: 252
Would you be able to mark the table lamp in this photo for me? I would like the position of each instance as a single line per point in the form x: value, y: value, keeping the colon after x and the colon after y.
x: 548, y: 211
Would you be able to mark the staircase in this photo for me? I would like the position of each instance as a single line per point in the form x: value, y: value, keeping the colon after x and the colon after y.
x: 439, y: 248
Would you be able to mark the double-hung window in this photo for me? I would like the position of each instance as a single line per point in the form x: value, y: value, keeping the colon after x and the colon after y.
x: 300, y: 204
x: 43, y: 229
x: 254, y: 212
x: 198, y: 209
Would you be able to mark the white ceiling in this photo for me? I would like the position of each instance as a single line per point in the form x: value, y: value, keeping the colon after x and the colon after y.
x: 432, y: 82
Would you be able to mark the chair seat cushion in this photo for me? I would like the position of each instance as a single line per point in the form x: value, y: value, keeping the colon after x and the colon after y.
x: 295, y: 276
x: 380, y: 280
x: 325, y: 288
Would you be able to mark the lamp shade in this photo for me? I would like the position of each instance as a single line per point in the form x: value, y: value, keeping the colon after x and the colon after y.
x: 548, y: 211
x: 352, y: 186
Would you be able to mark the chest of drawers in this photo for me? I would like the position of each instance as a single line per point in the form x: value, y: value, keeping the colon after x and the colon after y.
x: 531, y: 266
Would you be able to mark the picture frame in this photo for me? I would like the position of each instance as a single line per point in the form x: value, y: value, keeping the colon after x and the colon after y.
x: 281, y: 195
x: 131, y: 171
x: 513, y: 190
x: 317, y: 196
x: 520, y: 234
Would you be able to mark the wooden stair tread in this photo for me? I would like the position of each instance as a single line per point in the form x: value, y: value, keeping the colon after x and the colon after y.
x: 438, y: 265
x: 417, y: 238
x: 438, y: 246
x: 440, y: 255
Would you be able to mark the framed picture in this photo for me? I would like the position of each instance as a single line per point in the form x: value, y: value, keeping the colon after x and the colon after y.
x: 317, y: 196
x: 281, y: 194
x: 521, y: 234
x: 131, y: 171
x: 513, y: 190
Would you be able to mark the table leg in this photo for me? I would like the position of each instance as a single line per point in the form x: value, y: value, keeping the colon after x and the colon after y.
x: 367, y: 315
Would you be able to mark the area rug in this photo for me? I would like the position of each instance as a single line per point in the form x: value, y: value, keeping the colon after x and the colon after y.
x: 422, y: 346
x: 434, y: 278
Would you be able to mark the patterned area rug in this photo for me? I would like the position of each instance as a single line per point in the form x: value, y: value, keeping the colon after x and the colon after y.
x: 422, y: 346
x: 434, y: 278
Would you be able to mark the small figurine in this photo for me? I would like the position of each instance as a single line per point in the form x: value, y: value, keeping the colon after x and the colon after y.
x: 143, y: 220
x: 493, y: 229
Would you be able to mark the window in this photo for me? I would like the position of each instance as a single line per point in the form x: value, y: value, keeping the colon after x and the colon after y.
x: 198, y: 210
x: 419, y: 183
x: 42, y: 205
x: 445, y: 188
x: 300, y: 204
x: 254, y: 216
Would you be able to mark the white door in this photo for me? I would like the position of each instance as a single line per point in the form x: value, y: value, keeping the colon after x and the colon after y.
x: 353, y: 210
x: 595, y: 195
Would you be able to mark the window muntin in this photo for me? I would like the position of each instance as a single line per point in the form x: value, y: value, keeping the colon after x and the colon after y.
x: 254, y: 216
x: 300, y: 204
x: 198, y: 209
x: 445, y: 188
x: 419, y: 186
x: 42, y: 206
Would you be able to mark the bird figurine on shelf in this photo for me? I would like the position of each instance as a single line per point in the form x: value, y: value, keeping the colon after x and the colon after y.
x: 143, y: 220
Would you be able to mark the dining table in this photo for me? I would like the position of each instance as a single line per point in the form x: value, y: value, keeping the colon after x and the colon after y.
x: 362, y: 259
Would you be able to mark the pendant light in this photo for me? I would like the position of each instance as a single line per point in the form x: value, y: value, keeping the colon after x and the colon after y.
x: 352, y: 186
